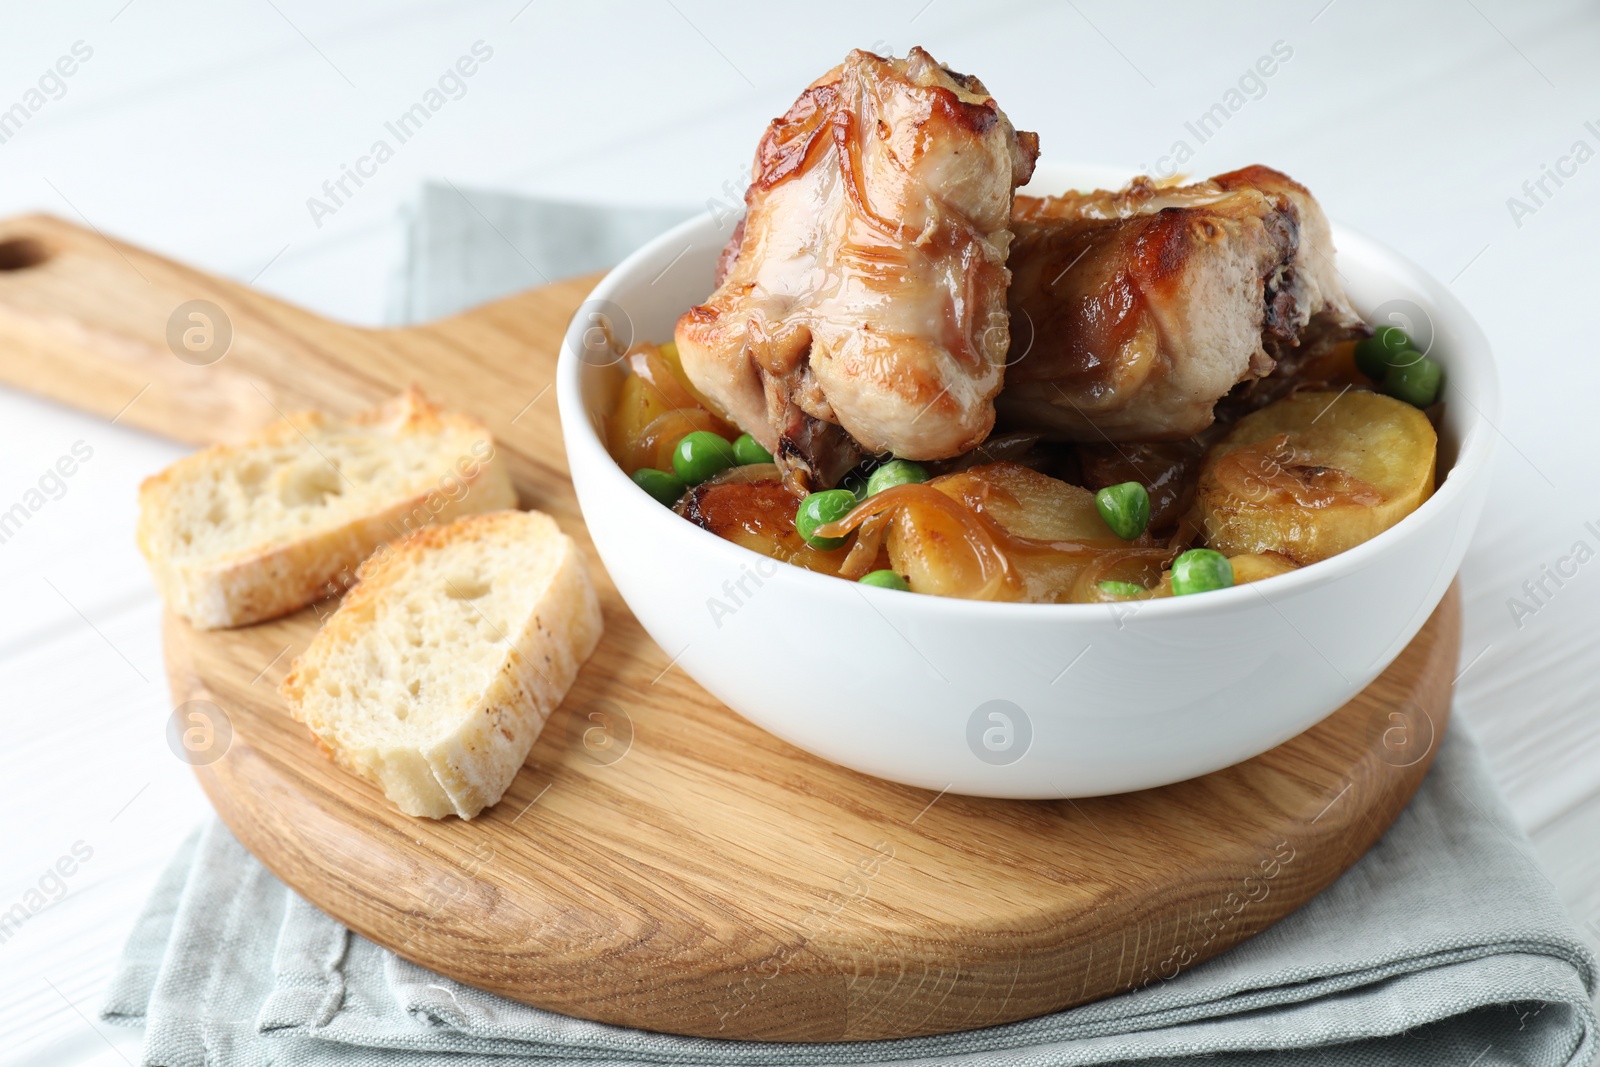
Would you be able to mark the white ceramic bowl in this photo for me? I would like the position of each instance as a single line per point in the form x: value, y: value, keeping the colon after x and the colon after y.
x: 1022, y: 700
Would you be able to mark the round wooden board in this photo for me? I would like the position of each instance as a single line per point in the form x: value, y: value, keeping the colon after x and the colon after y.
x: 660, y: 862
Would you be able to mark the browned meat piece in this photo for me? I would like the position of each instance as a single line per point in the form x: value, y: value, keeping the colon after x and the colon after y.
x: 1136, y: 311
x: 863, y: 310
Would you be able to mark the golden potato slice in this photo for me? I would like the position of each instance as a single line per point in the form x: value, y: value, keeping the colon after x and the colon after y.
x: 652, y: 412
x: 668, y: 352
x: 1315, y: 473
x: 758, y: 514
x: 943, y: 548
x: 1251, y: 567
x: 1255, y: 566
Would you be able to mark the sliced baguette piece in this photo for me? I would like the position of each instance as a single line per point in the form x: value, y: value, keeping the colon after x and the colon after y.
x: 437, y: 673
x: 238, y: 533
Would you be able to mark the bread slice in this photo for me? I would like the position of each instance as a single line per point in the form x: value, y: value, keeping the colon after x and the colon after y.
x: 440, y: 668
x: 239, y: 533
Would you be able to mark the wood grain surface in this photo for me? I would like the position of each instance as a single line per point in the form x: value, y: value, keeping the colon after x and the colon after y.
x: 660, y: 862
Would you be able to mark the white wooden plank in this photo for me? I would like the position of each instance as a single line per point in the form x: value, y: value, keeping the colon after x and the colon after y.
x: 201, y: 130
x: 86, y: 765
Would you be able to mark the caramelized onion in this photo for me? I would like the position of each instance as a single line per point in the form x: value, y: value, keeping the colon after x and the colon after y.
x: 664, y: 432
x: 867, y: 547
x: 1270, y: 472
x: 1139, y: 566
x: 985, y: 558
x: 983, y: 572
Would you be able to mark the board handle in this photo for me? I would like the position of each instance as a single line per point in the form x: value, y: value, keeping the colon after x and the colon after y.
x: 114, y: 330
x: 111, y: 329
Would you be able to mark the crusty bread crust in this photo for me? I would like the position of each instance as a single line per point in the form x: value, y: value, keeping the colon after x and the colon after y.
x: 467, y: 768
x: 268, y: 580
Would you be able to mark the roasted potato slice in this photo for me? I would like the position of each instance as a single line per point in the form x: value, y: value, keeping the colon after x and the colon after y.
x: 758, y: 514
x: 1250, y: 567
x: 943, y: 548
x: 1314, y: 474
x: 674, y: 363
x: 653, y: 410
x: 1254, y: 566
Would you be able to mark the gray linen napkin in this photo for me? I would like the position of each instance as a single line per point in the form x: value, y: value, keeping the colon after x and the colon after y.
x: 1445, y: 944
x: 466, y: 246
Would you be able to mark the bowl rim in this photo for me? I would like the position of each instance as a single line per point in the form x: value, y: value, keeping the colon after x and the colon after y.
x: 1472, y: 460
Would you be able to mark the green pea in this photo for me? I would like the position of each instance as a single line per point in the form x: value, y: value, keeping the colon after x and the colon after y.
x: 662, y: 485
x: 700, y: 455
x: 1378, y: 353
x: 1403, y: 358
x: 1125, y: 507
x: 886, y: 580
x: 830, y: 505
x: 893, y: 473
x: 1121, y: 589
x: 1200, y: 570
x: 747, y: 450
x: 1415, y: 383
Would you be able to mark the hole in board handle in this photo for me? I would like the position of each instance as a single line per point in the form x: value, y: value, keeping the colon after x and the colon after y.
x: 20, y: 253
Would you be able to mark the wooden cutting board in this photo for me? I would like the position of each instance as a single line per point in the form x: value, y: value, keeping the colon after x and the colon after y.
x: 660, y: 862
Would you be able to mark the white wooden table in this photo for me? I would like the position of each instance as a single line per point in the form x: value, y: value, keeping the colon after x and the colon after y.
x: 201, y: 130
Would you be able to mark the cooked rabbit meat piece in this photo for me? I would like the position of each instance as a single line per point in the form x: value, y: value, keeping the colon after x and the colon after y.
x: 1136, y: 311
x: 862, y: 307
